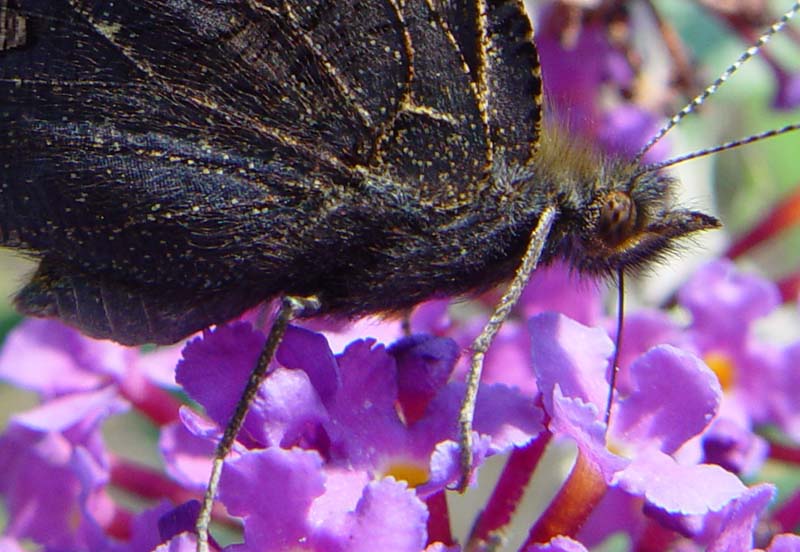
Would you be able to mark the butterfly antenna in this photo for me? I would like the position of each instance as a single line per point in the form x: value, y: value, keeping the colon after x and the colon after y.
x: 716, y: 149
x: 612, y: 384
x: 713, y: 87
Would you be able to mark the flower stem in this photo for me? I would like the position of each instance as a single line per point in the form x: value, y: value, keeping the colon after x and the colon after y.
x: 787, y: 515
x: 784, y: 453
x: 571, y: 507
x: 439, y: 520
x: 508, y: 491
x: 784, y: 215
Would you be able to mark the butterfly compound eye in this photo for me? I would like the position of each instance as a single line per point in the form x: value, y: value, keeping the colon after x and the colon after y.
x: 617, y: 219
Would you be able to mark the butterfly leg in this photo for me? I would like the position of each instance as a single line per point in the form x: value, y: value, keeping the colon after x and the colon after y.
x: 481, y: 344
x: 291, y: 308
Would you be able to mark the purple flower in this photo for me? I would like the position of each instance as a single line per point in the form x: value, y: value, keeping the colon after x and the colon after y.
x: 555, y: 288
x: 558, y: 288
x: 755, y: 375
x: 784, y: 543
x: 581, y: 71
x: 372, y: 429
x: 673, y: 398
x: 325, y: 429
x: 54, y: 360
x: 575, y: 72
x: 784, y: 398
x: 185, y: 542
x: 733, y: 527
x: 144, y: 528
x: 725, y: 304
x: 731, y: 445
x: 627, y: 128
x: 54, y: 472
x: 287, y: 500
x: 56, y: 468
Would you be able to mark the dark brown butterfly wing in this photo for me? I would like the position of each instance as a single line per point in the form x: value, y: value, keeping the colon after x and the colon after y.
x: 173, y: 164
x: 496, y: 39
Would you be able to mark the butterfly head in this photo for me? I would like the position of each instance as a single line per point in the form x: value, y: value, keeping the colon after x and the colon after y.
x: 629, y: 220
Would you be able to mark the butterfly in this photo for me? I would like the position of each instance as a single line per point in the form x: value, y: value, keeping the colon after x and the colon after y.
x: 170, y: 169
